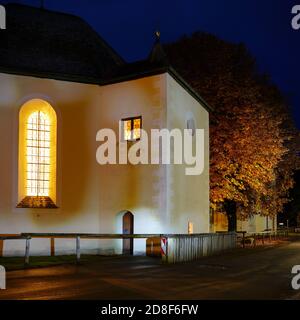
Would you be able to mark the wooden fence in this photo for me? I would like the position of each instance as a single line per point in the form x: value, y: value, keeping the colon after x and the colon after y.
x: 261, y: 238
x: 17, y: 237
x: 174, y: 247
x: 183, y: 248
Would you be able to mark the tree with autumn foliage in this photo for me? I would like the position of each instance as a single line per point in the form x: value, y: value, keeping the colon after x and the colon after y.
x: 252, y: 136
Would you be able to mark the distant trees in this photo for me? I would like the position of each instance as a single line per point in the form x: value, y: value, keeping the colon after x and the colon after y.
x: 252, y: 136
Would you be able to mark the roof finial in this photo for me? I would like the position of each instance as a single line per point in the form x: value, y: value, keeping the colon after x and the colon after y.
x: 157, y: 54
x: 157, y: 35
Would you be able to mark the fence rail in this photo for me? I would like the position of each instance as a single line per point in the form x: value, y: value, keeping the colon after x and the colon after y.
x: 17, y: 237
x: 256, y: 238
x: 178, y: 247
x: 90, y: 235
x: 174, y: 247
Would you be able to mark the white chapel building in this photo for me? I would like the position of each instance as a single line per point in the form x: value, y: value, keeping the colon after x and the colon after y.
x: 60, y: 83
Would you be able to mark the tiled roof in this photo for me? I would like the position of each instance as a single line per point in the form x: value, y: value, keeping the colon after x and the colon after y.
x: 46, y: 42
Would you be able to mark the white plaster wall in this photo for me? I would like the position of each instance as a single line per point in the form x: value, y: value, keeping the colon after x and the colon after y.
x: 257, y: 223
x: 76, y: 106
x: 139, y: 189
x: 93, y: 198
x: 90, y: 196
x: 188, y: 196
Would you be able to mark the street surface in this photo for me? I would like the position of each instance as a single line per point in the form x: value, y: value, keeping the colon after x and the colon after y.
x: 260, y: 273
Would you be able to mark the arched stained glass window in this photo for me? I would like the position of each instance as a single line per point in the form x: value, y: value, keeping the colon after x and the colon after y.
x: 37, y: 155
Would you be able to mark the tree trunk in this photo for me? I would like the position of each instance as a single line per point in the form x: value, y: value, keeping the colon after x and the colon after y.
x: 230, y: 208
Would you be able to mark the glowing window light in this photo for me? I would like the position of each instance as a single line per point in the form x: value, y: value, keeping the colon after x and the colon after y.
x: 132, y: 128
x: 127, y: 130
x: 38, y: 154
x: 137, y: 128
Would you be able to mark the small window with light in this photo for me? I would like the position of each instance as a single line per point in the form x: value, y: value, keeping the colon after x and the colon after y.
x: 131, y: 128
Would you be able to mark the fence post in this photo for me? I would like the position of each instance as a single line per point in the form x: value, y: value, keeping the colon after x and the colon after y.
x: 27, y: 249
x: 235, y: 240
x: 52, y: 246
x: 78, y: 249
x: 1, y: 247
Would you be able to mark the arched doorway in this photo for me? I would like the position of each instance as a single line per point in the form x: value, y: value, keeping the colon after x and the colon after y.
x: 128, y: 224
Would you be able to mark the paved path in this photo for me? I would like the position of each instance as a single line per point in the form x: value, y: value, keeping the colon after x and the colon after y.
x: 261, y: 273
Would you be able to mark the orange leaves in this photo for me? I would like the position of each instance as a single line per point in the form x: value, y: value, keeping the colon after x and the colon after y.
x: 252, y: 139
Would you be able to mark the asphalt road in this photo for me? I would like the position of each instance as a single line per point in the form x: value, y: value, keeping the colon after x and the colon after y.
x: 261, y: 273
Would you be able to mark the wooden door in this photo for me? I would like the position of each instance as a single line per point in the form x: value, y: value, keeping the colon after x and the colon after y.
x: 128, y: 221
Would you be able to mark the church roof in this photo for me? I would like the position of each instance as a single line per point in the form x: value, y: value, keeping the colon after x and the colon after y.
x: 156, y: 63
x: 43, y: 42
x: 49, y: 44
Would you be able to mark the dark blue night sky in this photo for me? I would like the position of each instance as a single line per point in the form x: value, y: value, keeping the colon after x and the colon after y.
x: 263, y: 25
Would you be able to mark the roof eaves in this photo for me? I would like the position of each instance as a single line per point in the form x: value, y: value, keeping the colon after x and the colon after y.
x: 135, y: 75
x: 53, y: 76
x: 192, y: 91
x: 156, y: 71
x: 113, y: 80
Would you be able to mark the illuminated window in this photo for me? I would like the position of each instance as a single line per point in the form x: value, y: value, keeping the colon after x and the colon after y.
x: 37, y: 155
x: 132, y: 128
